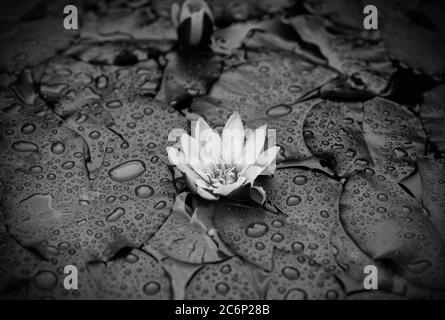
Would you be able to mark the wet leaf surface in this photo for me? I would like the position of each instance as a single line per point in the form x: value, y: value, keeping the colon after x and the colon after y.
x: 391, y: 226
x: 432, y: 174
x: 188, y: 238
x: 378, y: 135
x: 432, y: 113
x: 135, y: 275
x: 360, y: 56
x: 297, y: 277
x: 253, y: 233
x: 308, y: 198
x: 33, y: 42
x: 226, y: 280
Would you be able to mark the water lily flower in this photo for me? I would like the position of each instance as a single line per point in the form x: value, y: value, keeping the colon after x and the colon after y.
x: 216, y: 165
x: 194, y: 22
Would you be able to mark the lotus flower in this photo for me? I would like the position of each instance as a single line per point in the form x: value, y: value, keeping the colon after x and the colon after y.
x: 217, y: 165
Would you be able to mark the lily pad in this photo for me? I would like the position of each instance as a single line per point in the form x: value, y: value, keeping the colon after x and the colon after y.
x: 390, y: 226
x: 378, y: 135
x: 146, y: 125
x: 333, y: 132
x: 127, y: 24
x: 394, y: 136
x: 353, y: 261
x: 120, y: 53
x: 297, y: 277
x: 17, y: 264
x: 74, y: 84
x: 253, y: 233
x: 228, y: 280
x: 308, y: 198
x: 95, y: 135
x: 187, y: 238
x: 137, y: 276
x: 346, y: 13
x: 362, y: 57
x: 432, y: 173
x: 432, y: 113
x: 33, y: 42
x: 48, y: 282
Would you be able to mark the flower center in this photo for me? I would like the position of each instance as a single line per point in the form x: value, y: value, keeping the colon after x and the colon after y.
x: 223, y: 176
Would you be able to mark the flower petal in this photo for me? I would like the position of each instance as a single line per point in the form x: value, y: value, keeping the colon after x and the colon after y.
x: 200, y: 126
x: 178, y: 159
x: 201, y: 189
x: 254, y: 145
x: 190, y: 148
x: 233, y: 140
x: 212, y: 146
x: 225, y: 189
x: 264, y: 161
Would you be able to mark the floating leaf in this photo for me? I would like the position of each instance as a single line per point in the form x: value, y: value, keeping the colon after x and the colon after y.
x: 346, y: 13
x: 432, y: 173
x: 136, y: 275
x: 75, y: 84
x: 253, y: 233
x: 391, y: 226
x: 361, y: 57
x: 307, y: 197
x: 297, y: 277
x: 127, y: 24
x: 188, y: 239
x: 332, y: 131
x: 33, y: 42
x: 379, y: 135
x: 48, y: 282
x: 432, y: 113
x: 228, y: 280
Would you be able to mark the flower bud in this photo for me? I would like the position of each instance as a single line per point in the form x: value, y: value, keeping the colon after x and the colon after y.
x: 194, y: 22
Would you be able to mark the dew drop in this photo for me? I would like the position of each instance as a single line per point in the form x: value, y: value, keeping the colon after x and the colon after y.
x: 300, y: 180
x: 45, y: 280
x: 114, y: 104
x: 293, y: 200
x: 296, y: 294
x: 291, y: 273
x: 144, y: 191
x: 24, y: 146
x: 222, y: 288
x: 116, y: 214
x: 28, y: 128
x: 257, y: 229
x: 419, y: 266
x: 68, y: 165
x: 151, y: 288
x: 127, y: 171
x: 57, y: 148
x: 280, y: 110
